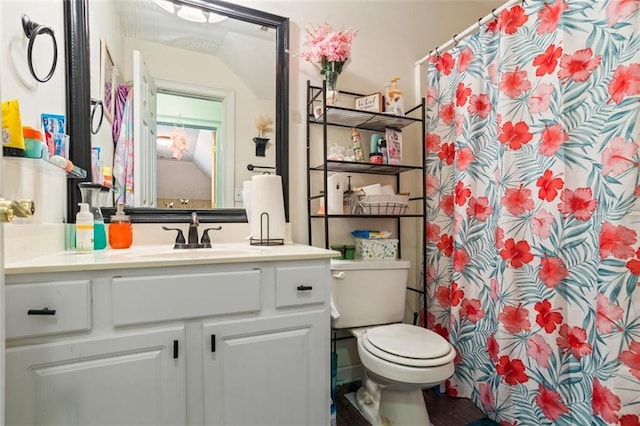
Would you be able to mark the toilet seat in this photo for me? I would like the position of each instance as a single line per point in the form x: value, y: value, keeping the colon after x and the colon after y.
x: 408, y: 345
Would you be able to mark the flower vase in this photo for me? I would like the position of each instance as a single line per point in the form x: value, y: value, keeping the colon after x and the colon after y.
x: 332, y: 93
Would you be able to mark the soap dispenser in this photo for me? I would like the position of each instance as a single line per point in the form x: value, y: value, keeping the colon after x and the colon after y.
x: 120, y: 229
x: 394, y: 98
x: 84, y: 228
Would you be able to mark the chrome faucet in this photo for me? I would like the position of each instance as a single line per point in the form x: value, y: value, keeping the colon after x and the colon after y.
x: 192, y: 242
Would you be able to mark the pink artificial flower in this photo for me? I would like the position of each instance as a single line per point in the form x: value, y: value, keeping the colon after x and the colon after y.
x: 327, y: 48
x: 618, y: 156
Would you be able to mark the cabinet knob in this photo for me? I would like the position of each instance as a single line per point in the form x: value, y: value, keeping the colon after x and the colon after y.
x: 43, y: 311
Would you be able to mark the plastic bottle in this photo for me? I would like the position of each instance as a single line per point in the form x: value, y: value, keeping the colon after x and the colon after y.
x: 382, y: 149
x: 84, y: 228
x: 394, y: 98
x: 120, y: 229
x: 356, y: 145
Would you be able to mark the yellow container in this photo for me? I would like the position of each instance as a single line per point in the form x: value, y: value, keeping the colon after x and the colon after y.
x: 12, y: 137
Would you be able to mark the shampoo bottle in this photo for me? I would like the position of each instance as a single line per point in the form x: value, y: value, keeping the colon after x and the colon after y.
x: 84, y: 228
x: 357, y: 145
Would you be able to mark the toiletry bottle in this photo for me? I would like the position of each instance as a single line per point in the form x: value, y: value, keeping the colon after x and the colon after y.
x: 12, y: 137
x: 120, y: 229
x: 382, y: 149
x: 374, y: 143
x: 356, y: 145
x: 394, y: 98
x: 84, y: 228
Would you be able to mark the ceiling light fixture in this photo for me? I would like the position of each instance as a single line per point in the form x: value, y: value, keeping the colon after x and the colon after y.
x: 192, y: 14
x: 214, y: 18
x: 165, y: 4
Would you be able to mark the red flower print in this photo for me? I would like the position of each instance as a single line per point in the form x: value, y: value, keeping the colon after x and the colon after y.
x: 508, y: 423
x: 512, y: 370
x: 515, y: 319
x: 446, y: 204
x: 514, y: 83
x: 464, y: 59
x: 547, y: 61
x: 517, y: 253
x: 515, y: 135
x: 445, y: 245
x: 629, y: 420
x: 456, y: 294
x: 633, y: 266
x: 617, y: 241
x: 493, y: 349
x: 541, y: 99
x: 579, y: 203
x: 432, y: 96
x: 432, y: 142
x: 461, y: 193
x: 631, y: 358
x: 479, y: 105
x: 573, y: 339
x: 625, y: 81
x: 539, y: 349
x: 549, y: 186
x: 547, y: 318
x: 552, y: 271
x: 479, y: 208
x: 447, y: 153
x: 617, y: 9
x: 444, y: 62
x: 458, y: 124
x: 438, y: 328
x: 607, y: 314
x: 549, y: 16
x: 578, y: 66
x: 433, y: 232
x: 486, y: 396
x: 460, y: 259
x: 618, y: 156
x: 462, y: 94
x: 551, y: 403
x: 495, y: 287
x: 517, y: 200
x: 432, y: 184
x: 541, y: 224
x: 443, y: 296
x: 551, y: 139
x: 447, y: 113
x: 464, y: 158
x: 470, y: 308
x: 451, y: 391
x: 499, y: 235
x: 604, y: 402
x: 512, y: 19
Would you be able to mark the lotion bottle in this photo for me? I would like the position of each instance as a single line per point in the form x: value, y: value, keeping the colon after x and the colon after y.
x: 84, y: 229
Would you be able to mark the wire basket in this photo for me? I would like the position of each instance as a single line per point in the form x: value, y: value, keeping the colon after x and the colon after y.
x: 383, y: 204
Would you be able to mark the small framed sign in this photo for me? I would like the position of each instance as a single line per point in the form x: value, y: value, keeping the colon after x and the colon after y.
x: 371, y: 103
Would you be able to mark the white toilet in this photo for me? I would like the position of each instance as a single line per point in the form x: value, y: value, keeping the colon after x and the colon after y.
x: 400, y: 360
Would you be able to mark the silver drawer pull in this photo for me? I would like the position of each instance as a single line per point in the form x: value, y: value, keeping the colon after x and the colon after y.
x: 304, y: 287
x: 43, y: 311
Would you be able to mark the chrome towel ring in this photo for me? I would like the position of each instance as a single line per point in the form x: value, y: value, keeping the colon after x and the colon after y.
x: 32, y: 30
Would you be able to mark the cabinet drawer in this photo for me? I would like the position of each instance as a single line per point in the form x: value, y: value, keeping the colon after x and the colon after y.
x: 302, y: 285
x: 69, y: 299
x: 147, y: 299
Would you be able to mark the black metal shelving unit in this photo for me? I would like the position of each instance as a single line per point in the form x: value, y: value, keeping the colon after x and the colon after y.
x: 336, y: 116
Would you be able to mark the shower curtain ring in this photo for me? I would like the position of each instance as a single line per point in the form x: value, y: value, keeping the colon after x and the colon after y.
x: 493, y: 12
x: 437, y: 53
x: 455, y: 41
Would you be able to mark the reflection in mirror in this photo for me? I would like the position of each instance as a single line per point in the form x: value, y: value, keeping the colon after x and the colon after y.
x: 185, y: 59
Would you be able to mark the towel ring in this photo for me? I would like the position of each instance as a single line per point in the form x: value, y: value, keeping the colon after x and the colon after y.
x: 96, y: 104
x: 32, y: 30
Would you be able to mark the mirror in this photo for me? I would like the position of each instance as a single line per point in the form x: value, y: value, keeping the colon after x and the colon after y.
x: 79, y: 98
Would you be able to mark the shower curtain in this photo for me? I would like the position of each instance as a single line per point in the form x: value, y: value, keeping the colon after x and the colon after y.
x: 533, y: 235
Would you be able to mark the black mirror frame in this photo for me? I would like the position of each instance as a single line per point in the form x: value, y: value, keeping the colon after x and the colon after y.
x: 78, y: 98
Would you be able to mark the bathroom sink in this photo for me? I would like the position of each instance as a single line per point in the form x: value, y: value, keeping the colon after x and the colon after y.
x: 173, y: 254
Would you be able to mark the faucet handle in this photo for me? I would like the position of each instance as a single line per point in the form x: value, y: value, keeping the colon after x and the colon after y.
x: 179, y: 237
x: 205, y: 240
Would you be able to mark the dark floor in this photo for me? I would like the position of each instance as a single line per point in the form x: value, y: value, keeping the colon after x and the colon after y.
x: 443, y: 410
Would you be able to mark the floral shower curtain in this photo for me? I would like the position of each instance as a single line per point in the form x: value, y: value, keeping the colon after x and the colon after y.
x: 533, y: 229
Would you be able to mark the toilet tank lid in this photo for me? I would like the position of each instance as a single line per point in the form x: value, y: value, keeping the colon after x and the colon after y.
x: 354, y: 265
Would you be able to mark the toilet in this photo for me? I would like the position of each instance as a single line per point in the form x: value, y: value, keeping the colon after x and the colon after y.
x: 368, y: 299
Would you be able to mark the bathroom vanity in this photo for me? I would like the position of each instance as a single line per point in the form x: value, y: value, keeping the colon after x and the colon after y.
x: 235, y: 335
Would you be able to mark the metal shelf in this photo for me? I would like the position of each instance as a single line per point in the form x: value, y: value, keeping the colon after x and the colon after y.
x: 355, y: 167
x: 375, y: 121
x: 365, y: 216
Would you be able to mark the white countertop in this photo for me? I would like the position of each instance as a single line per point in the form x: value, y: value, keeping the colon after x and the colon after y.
x: 154, y: 256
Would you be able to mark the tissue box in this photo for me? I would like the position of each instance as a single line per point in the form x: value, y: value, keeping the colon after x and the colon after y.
x: 378, y: 249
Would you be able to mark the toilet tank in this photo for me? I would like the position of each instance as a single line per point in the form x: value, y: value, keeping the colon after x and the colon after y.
x: 368, y: 292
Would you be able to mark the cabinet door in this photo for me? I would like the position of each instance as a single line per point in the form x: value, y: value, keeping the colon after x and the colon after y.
x: 124, y: 380
x: 273, y: 371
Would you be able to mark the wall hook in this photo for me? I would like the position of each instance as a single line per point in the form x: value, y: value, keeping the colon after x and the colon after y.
x: 32, y: 30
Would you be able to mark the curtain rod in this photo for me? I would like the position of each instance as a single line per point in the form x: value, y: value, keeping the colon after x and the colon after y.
x: 453, y: 41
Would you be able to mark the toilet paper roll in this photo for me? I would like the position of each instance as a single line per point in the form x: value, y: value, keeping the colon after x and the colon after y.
x: 266, y: 197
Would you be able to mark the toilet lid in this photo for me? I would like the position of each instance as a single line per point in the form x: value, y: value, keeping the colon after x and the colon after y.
x: 406, y: 341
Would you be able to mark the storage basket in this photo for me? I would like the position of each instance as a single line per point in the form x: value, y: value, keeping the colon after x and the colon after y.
x: 383, y: 204
x: 376, y: 249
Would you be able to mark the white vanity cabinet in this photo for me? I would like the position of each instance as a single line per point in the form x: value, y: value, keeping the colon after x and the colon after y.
x: 221, y: 344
